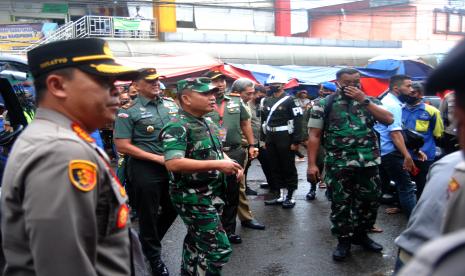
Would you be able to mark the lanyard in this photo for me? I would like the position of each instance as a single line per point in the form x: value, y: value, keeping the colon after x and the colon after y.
x: 221, y: 112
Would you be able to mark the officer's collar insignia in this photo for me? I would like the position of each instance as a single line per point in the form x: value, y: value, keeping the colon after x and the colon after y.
x: 453, y: 185
x: 82, y: 133
x: 123, y: 215
x: 82, y: 174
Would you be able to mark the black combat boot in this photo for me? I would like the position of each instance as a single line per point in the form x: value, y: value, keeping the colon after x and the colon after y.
x: 367, y: 243
x: 289, y: 202
x: 311, y: 195
x: 342, y: 249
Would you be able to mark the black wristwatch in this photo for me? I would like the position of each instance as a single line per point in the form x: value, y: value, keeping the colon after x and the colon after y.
x: 366, y: 102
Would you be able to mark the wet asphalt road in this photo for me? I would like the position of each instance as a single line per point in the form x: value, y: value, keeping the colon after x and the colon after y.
x: 296, y: 241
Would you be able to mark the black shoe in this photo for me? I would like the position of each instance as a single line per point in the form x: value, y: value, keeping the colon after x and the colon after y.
x: 233, y: 238
x: 253, y: 224
x: 342, y: 249
x: 159, y: 268
x: 288, y: 203
x: 250, y: 192
x: 367, y: 243
x: 264, y: 186
x: 311, y: 195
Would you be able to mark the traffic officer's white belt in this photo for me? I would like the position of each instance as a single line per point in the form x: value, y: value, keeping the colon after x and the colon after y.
x: 276, y: 129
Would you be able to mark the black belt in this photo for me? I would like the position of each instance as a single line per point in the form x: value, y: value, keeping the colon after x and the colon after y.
x: 230, y: 148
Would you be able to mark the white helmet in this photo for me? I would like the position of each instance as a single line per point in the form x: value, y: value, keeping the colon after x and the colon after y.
x: 277, y: 79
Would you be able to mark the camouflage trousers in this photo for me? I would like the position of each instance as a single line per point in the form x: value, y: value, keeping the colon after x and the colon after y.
x: 355, y: 199
x: 206, y: 247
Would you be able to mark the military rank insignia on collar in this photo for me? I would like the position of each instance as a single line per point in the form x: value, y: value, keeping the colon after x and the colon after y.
x: 123, y: 215
x: 82, y: 133
x: 82, y: 174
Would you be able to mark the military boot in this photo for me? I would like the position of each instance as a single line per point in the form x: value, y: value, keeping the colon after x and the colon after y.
x: 277, y: 198
x: 367, y: 243
x: 289, y: 202
x: 311, y: 195
x: 342, y: 249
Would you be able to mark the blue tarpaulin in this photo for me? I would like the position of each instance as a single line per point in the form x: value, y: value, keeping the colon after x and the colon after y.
x: 380, y: 69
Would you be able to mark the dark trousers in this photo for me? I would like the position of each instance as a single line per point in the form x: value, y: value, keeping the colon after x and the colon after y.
x: 264, y: 160
x: 392, y: 164
x: 282, y: 160
x: 420, y: 178
x: 231, y: 194
x: 152, y: 203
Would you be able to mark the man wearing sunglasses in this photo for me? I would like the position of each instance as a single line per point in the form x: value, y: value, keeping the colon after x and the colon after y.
x: 136, y: 134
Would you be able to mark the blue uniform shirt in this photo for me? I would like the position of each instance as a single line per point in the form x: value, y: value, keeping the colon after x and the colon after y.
x: 426, y: 120
x: 393, y: 105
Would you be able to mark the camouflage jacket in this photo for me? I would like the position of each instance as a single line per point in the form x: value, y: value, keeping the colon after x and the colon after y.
x: 195, y: 138
x: 348, y: 137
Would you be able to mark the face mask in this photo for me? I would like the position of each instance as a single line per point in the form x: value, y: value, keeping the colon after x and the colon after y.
x: 407, y: 99
x: 274, y: 89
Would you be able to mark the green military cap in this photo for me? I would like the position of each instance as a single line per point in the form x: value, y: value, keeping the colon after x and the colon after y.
x: 200, y: 85
x: 91, y: 55
x: 148, y: 74
x: 215, y: 75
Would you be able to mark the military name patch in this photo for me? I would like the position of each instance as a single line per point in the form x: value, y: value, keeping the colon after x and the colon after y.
x: 83, y: 174
x: 123, y: 214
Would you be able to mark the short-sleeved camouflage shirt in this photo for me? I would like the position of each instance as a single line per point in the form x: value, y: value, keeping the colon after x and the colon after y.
x: 143, y: 121
x: 195, y: 138
x: 349, y: 138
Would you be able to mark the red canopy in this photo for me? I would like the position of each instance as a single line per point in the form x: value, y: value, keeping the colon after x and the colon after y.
x: 172, y: 66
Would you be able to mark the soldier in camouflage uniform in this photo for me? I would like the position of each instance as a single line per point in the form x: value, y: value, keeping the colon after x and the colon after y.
x: 198, y: 168
x: 352, y: 156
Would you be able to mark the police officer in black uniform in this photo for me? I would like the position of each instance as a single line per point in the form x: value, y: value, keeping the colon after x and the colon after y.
x: 282, y: 124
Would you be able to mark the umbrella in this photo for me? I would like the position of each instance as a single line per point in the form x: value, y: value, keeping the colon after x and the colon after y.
x: 384, y: 68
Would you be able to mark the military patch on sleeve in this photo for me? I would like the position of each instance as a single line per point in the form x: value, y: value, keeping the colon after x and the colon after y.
x: 123, y: 215
x: 453, y: 185
x: 82, y: 174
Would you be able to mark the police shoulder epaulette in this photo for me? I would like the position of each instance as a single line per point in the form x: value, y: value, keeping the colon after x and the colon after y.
x: 234, y: 94
x: 129, y: 105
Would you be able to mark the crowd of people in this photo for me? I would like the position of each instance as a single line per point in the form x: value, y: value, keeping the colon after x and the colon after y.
x: 189, y: 155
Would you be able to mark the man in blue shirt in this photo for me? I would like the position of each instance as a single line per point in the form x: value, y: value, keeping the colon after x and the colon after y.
x: 426, y: 120
x: 396, y: 160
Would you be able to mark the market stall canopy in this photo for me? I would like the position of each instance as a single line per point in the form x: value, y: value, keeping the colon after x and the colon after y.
x: 383, y: 67
x: 173, y: 66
